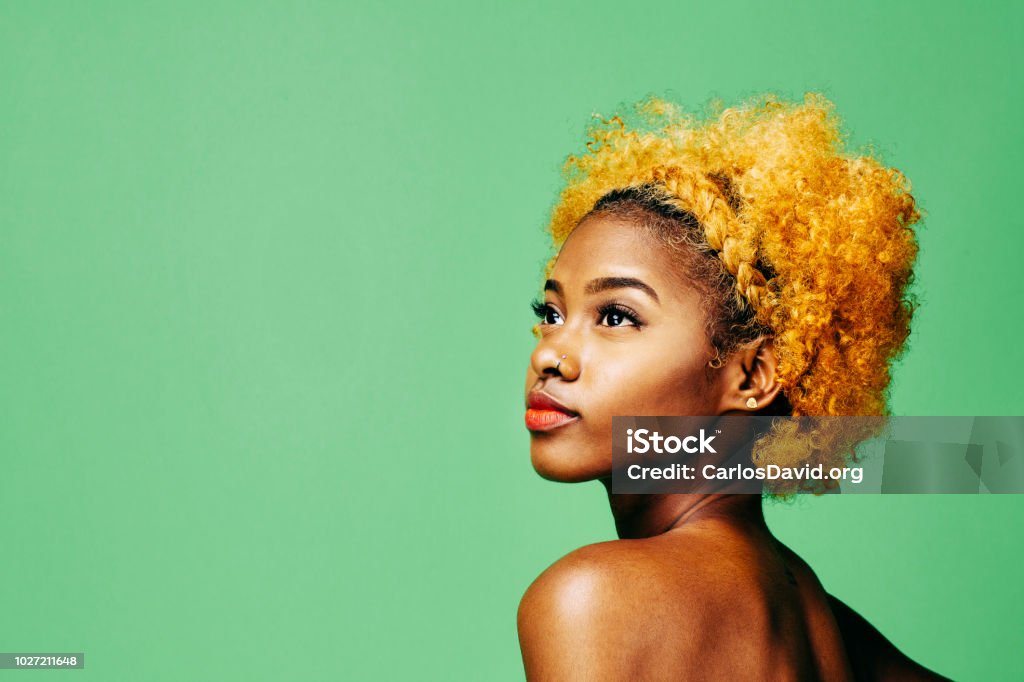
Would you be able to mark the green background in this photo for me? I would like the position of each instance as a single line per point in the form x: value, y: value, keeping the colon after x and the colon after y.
x: 264, y: 326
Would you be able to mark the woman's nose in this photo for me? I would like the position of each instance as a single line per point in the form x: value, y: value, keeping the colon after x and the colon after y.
x: 551, y: 359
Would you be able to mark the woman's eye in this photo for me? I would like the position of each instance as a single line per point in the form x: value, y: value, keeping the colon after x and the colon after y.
x: 615, y: 319
x: 546, y: 314
x: 613, y: 316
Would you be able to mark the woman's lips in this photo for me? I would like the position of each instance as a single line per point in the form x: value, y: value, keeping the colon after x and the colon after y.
x: 544, y: 413
x: 545, y: 420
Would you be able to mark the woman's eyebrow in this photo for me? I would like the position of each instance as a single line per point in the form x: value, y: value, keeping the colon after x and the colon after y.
x: 553, y: 285
x: 606, y: 283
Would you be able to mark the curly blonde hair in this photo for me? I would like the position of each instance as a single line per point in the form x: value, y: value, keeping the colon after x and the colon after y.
x: 813, y: 245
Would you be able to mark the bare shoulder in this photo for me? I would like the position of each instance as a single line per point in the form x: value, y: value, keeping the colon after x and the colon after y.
x: 615, y: 609
x: 597, y: 580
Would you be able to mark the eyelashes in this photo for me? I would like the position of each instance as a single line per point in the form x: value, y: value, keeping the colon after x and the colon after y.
x: 540, y: 309
x: 613, y: 310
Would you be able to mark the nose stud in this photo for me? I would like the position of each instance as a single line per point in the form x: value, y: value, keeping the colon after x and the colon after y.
x: 559, y: 363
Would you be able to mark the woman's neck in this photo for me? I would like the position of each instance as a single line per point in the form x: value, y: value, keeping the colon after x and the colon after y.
x: 643, y: 516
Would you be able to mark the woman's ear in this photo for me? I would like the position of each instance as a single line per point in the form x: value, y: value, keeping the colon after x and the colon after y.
x: 749, y: 382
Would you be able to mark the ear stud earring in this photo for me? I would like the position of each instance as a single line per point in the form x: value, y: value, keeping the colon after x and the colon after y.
x: 752, y: 402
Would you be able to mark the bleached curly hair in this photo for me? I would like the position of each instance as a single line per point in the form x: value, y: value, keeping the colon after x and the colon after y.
x: 789, y: 236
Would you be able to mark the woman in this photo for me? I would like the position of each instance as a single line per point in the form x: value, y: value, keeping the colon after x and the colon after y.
x: 744, y: 264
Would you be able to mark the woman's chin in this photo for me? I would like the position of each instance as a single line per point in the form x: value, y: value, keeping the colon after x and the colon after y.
x: 565, y: 467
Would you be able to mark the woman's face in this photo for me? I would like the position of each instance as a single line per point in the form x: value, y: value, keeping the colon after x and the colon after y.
x: 632, y: 335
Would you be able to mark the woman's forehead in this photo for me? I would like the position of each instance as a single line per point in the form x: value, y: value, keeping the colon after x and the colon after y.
x: 609, y: 246
x: 603, y: 242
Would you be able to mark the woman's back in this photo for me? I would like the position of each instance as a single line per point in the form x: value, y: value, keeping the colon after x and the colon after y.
x: 709, y: 600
